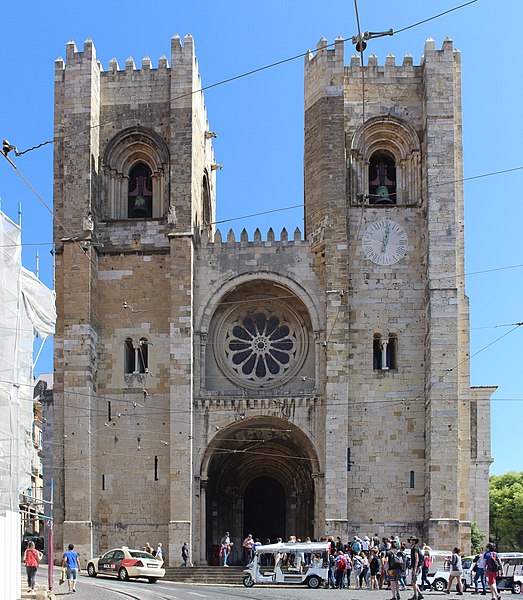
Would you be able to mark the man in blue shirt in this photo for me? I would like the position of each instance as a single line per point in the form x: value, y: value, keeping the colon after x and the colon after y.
x: 72, y: 563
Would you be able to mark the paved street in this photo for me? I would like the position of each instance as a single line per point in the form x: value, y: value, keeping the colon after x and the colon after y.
x: 111, y: 589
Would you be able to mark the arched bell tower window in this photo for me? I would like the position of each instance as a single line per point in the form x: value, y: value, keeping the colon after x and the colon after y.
x: 385, y: 164
x: 140, y: 195
x: 136, y: 175
x: 382, y: 179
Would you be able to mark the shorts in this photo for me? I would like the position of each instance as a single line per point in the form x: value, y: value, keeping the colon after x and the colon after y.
x: 456, y: 573
x: 491, y: 577
x: 393, y: 574
x: 72, y: 573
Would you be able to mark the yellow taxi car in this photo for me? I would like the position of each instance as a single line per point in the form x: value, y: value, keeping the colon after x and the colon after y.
x: 126, y: 564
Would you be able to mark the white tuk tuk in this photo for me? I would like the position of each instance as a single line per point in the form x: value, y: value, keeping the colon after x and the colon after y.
x: 305, y: 563
x: 512, y: 577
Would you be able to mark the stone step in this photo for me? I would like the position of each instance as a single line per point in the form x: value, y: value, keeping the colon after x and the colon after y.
x: 204, y: 574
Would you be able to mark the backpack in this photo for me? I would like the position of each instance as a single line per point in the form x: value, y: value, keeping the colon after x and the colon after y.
x: 396, y: 561
x: 494, y: 563
x: 341, y: 563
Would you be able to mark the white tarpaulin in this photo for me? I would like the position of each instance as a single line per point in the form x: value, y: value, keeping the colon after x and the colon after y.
x: 27, y: 307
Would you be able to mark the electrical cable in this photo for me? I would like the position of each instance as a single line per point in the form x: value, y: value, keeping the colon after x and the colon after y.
x: 50, y: 210
x: 446, y: 12
x: 260, y: 69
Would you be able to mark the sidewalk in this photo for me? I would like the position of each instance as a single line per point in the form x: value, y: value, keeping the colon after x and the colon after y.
x: 41, y: 592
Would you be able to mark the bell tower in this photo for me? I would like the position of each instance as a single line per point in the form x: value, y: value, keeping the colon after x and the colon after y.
x: 134, y: 190
x: 384, y: 211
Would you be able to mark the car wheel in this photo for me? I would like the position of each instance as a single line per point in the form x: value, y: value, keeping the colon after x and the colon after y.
x: 248, y: 581
x: 440, y: 585
x: 314, y: 582
x: 516, y: 588
x: 123, y: 575
x: 91, y: 571
x: 153, y: 579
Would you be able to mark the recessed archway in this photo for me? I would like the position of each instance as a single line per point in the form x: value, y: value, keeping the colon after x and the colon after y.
x: 259, y: 480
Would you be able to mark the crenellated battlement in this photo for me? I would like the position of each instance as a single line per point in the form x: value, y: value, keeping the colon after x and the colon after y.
x: 180, y: 54
x: 326, y: 74
x: 390, y: 68
x: 218, y: 239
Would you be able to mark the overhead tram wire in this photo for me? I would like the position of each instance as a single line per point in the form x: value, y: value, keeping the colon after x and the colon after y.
x: 50, y: 210
x: 393, y: 400
x: 432, y: 185
x: 259, y: 70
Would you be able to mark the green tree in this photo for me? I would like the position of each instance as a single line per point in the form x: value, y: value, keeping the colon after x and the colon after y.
x: 476, y: 538
x: 506, y: 511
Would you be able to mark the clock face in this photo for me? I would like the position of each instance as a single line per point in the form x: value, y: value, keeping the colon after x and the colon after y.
x: 385, y: 242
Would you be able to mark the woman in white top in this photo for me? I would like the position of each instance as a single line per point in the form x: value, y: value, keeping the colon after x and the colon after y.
x: 456, y: 571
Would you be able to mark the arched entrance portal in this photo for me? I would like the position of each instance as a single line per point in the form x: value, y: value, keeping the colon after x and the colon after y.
x: 259, y: 480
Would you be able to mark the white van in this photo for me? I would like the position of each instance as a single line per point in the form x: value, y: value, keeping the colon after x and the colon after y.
x: 305, y: 563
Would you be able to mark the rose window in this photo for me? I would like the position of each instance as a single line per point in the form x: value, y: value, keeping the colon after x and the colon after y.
x: 263, y: 346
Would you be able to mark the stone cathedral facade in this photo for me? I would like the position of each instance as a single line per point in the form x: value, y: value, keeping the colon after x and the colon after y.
x: 296, y: 383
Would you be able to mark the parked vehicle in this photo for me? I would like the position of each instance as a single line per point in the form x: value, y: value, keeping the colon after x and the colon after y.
x: 126, y: 564
x: 512, y: 577
x: 38, y: 542
x: 286, y: 563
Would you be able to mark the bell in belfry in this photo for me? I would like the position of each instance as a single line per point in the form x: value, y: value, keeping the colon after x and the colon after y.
x: 383, y: 195
x: 382, y: 184
x: 140, y: 199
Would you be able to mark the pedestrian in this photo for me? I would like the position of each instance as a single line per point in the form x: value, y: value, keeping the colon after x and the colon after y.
x: 456, y: 571
x: 416, y: 561
x: 148, y: 548
x: 395, y: 566
x: 479, y: 572
x: 331, y: 582
x: 72, y: 562
x: 159, y: 551
x: 32, y: 558
x: 425, y: 568
x: 493, y: 567
x: 248, y: 553
x: 374, y: 568
x: 225, y: 548
x: 364, y: 573
x: 185, y: 555
x: 341, y: 567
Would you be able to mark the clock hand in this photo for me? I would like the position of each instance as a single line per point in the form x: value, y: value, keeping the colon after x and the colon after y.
x: 385, y: 240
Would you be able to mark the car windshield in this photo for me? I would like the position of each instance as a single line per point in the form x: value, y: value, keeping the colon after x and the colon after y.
x: 140, y: 554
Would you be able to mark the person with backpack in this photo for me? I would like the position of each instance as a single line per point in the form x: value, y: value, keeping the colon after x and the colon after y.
x: 456, y: 571
x: 416, y: 561
x: 339, y: 571
x: 493, y: 568
x: 479, y: 570
x: 395, y: 566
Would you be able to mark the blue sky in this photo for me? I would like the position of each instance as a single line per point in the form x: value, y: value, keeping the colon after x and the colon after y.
x: 259, y: 121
